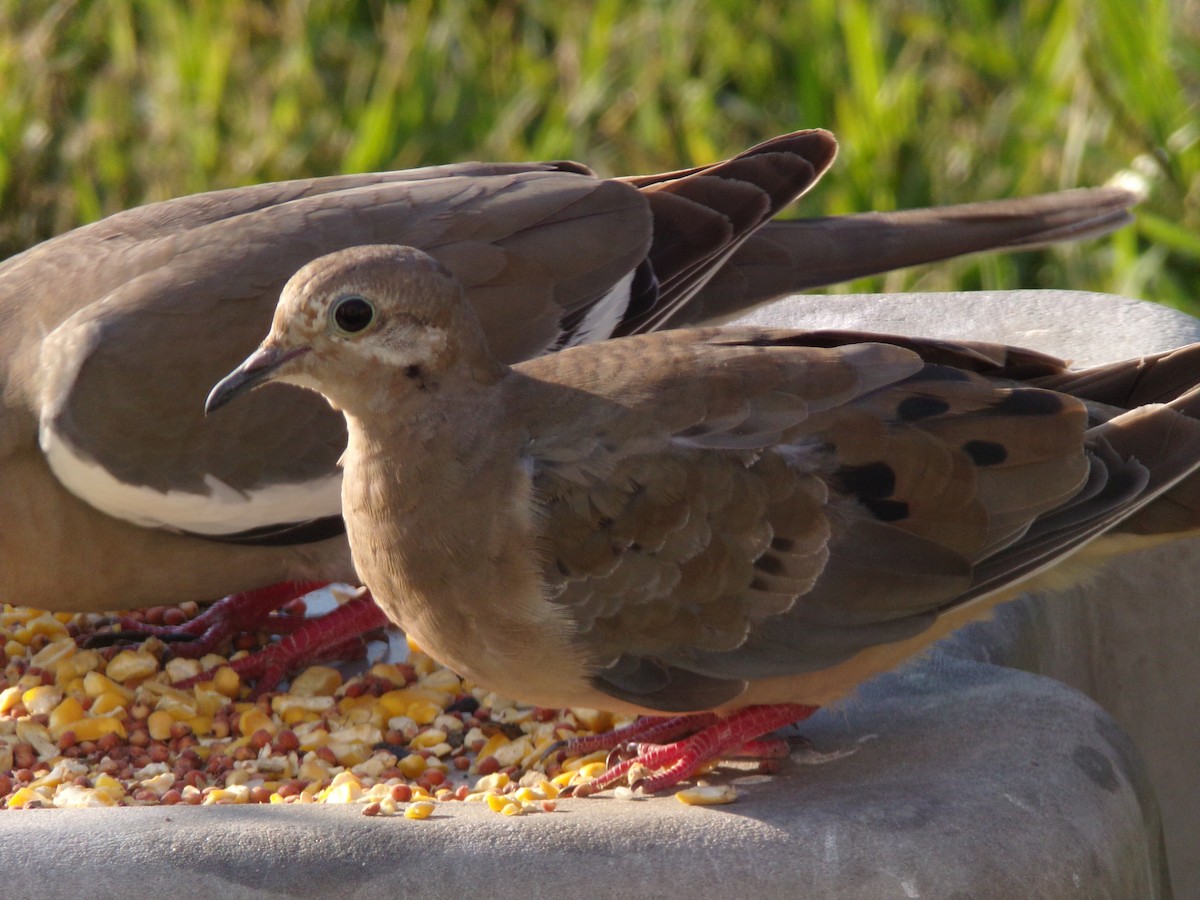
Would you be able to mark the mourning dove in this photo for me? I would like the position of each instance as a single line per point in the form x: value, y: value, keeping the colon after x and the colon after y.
x: 741, y: 522
x: 125, y: 496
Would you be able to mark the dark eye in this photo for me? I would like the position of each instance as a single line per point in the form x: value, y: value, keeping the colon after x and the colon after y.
x: 353, y: 314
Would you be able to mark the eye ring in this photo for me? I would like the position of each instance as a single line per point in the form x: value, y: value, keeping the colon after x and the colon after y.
x: 352, y: 313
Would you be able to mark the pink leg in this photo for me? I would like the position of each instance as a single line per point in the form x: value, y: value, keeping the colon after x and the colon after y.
x: 245, y: 611
x: 680, y: 760
x: 334, y: 633
x: 648, y: 729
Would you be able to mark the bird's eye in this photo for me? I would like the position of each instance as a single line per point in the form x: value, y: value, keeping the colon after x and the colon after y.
x: 352, y: 314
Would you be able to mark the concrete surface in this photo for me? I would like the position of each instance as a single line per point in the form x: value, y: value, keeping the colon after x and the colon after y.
x: 963, y: 775
x: 955, y: 778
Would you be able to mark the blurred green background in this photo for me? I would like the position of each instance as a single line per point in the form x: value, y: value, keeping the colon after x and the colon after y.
x: 112, y: 103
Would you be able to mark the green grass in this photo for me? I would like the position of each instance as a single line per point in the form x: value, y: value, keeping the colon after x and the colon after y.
x: 112, y: 103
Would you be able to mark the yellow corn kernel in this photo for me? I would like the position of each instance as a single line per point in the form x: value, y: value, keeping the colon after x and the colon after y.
x: 575, y: 763
x: 253, y: 719
x: 419, y: 809
x: 159, y: 723
x: 592, y: 770
x: 227, y: 682
x: 350, y: 754
x: 427, y: 739
x: 496, y: 801
x: 43, y: 624
x: 707, y: 795
x: 549, y: 789
x: 40, y: 700
x: 71, y: 796
x: 22, y: 797
x: 109, y: 785
x: 412, y: 765
x: 64, y: 716
x: 562, y: 779
x: 10, y: 697
x: 93, y: 729
x: 424, y: 712
x: 345, y: 792
x: 397, y: 702
x: 512, y: 809
x: 54, y: 654
x: 593, y: 719
x: 390, y: 672
x: 442, y: 680
x: 313, y: 770
x: 108, y: 702
x: 316, y: 681
x: 131, y: 664
x: 96, y: 683
x: 494, y: 743
x: 181, y: 669
x: 77, y: 665
x: 494, y: 782
x: 201, y: 726
x: 528, y: 795
x: 282, y: 704
x: 13, y: 648
x: 237, y: 793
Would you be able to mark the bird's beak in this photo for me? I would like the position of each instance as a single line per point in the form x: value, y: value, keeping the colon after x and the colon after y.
x: 258, y: 368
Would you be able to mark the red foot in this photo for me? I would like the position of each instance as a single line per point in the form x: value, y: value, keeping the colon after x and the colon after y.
x: 672, y: 763
x: 337, y: 634
x: 648, y: 729
x: 247, y: 611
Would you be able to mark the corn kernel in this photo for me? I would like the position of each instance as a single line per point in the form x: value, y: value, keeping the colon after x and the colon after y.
x: 54, y: 654
x: 77, y: 665
x: 39, y: 701
x: 494, y: 782
x: 159, y: 723
x: 181, y: 669
x: 512, y: 809
x: 420, y: 809
x: 72, y: 796
x: 43, y: 624
x: 93, y: 729
x: 707, y: 795
x: 96, y: 683
x: 22, y: 797
x: 253, y: 719
x: 108, y: 702
x: 592, y: 770
x: 593, y: 719
x: 226, y: 682
x: 131, y: 664
x: 427, y: 739
x: 109, y: 785
x: 316, y: 681
x: 494, y: 743
x: 65, y: 715
x: 389, y: 672
x: 575, y: 763
x: 10, y: 697
x: 14, y: 648
x: 412, y: 765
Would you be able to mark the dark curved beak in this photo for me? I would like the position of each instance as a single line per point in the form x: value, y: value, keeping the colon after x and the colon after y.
x: 258, y: 368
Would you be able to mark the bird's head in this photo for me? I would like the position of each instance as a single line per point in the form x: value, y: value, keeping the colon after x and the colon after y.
x: 349, y: 322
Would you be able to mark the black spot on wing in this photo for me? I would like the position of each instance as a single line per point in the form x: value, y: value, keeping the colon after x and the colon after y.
x: 1028, y: 402
x: 772, y: 565
x: 872, y: 484
x: 887, y: 510
x: 911, y: 409
x: 985, y: 453
x: 871, y: 481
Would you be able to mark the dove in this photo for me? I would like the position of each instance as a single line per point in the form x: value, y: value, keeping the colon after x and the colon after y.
x: 127, y: 497
x: 736, y: 524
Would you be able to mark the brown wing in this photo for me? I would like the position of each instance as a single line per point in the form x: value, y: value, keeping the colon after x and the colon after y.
x: 759, y: 508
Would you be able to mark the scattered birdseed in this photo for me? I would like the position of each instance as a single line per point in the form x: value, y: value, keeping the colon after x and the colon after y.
x: 109, y: 727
